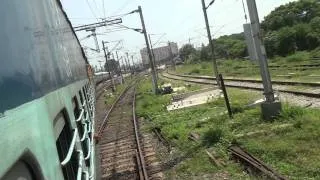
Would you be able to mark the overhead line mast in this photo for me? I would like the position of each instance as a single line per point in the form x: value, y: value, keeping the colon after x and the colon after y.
x: 92, y: 27
x: 215, y: 68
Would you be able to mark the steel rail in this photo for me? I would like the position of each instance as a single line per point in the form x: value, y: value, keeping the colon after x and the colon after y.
x: 104, y: 122
x: 136, y: 130
x: 300, y: 93
x: 292, y: 83
x: 254, y: 162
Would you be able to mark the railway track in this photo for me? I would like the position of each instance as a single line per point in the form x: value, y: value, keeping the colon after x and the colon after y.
x: 101, y: 86
x: 254, y: 163
x: 292, y: 67
x: 290, y: 83
x: 124, y: 152
x: 248, y: 84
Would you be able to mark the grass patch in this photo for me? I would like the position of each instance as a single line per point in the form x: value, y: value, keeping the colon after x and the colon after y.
x: 176, y: 83
x: 110, y: 96
x: 248, y: 69
x: 293, y: 150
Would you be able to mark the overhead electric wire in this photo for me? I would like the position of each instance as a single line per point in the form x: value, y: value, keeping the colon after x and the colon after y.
x: 245, y: 13
x: 95, y: 4
x: 159, y: 39
x: 92, y: 10
x: 104, y: 9
x: 122, y: 7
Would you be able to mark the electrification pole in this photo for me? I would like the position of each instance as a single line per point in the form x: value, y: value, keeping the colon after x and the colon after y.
x: 154, y: 77
x: 133, y: 66
x: 128, y: 60
x: 215, y: 68
x: 122, y: 80
x: 124, y: 63
x: 171, y: 56
x: 105, y: 55
x: 270, y: 108
x: 153, y: 56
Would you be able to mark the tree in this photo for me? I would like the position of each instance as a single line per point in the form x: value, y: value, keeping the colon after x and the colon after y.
x: 271, y: 42
x: 302, y: 11
x: 186, y: 51
x: 232, y: 46
x: 204, y: 53
x: 315, y: 24
x: 287, y: 41
x: 301, y: 31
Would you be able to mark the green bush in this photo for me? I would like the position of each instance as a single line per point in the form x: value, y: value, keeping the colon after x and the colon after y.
x: 195, y: 71
x: 298, y: 57
x: 290, y: 112
x: 315, y: 53
x: 212, y: 136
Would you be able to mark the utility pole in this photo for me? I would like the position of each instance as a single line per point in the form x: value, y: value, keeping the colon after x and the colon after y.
x: 128, y: 60
x: 95, y: 39
x: 133, y: 67
x: 110, y: 76
x: 92, y: 27
x: 154, y: 77
x: 154, y: 58
x: 124, y: 63
x: 215, y: 68
x: 270, y: 108
x: 118, y: 60
x: 171, y: 56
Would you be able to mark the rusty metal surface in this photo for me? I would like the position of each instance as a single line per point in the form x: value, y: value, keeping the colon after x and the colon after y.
x: 255, y: 163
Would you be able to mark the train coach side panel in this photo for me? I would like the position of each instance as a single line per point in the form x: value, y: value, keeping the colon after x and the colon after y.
x: 39, y: 52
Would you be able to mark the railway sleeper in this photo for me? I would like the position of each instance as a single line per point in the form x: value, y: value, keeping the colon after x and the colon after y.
x: 121, y: 158
x: 117, y: 153
x: 118, y: 168
x: 116, y: 146
x: 125, y: 175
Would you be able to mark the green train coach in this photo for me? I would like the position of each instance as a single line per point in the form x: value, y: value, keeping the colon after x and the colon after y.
x: 47, y: 103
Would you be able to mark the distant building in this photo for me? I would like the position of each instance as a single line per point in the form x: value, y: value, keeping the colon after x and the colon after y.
x: 161, y: 54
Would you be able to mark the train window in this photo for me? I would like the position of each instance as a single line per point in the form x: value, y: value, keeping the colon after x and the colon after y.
x: 81, y: 97
x: 20, y: 171
x: 85, y: 93
x: 79, y: 124
x: 63, y: 134
x: 75, y: 106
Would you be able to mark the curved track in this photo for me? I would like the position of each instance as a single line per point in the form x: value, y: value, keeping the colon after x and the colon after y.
x: 247, y: 84
x: 124, y: 152
x: 291, y: 83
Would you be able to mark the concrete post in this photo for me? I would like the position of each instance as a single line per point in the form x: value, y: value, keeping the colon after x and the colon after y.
x: 215, y: 68
x: 154, y: 77
x: 270, y: 108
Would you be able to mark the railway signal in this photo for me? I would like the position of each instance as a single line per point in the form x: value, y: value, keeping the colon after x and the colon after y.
x: 270, y: 108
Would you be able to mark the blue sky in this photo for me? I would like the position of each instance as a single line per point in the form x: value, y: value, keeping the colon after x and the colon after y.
x: 178, y: 19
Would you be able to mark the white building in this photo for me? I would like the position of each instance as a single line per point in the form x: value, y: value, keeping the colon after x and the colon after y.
x: 161, y: 53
